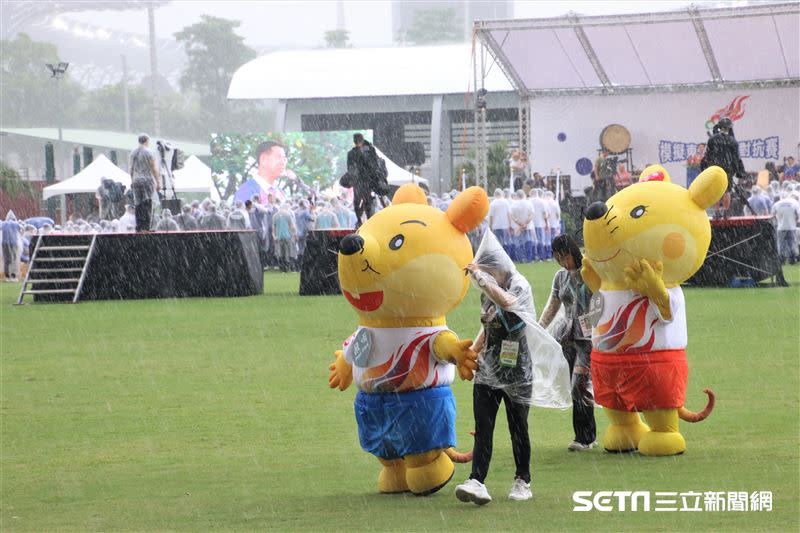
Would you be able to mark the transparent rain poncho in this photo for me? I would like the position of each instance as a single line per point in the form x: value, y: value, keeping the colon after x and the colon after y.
x: 518, y: 355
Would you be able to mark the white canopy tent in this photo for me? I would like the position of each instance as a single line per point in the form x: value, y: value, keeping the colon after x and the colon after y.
x: 195, y: 177
x: 88, y: 179
x: 397, y: 174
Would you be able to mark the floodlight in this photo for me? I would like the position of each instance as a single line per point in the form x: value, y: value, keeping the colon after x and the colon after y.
x: 58, y: 70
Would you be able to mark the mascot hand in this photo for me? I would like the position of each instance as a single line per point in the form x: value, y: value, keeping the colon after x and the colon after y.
x: 341, y: 372
x: 590, y: 277
x: 447, y: 347
x: 647, y: 279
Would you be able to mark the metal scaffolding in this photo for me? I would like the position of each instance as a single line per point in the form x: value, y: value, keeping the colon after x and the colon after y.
x: 479, y: 106
x: 520, y: 49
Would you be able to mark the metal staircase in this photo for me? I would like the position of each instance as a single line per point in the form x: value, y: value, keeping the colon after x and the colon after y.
x: 57, y: 270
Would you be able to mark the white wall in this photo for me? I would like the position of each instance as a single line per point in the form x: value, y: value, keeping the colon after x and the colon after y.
x: 654, y: 118
x: 386, y: 104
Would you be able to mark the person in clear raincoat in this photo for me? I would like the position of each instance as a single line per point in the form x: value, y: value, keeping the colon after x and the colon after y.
x: 568, y: 303
x: 519, y: 363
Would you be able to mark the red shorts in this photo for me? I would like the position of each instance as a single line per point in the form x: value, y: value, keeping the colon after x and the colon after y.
x: 640, y: 381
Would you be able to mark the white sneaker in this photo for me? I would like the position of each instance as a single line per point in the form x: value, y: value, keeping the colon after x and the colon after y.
x: 520, y: 490
x: 576, y: 446
x: 474, y: 491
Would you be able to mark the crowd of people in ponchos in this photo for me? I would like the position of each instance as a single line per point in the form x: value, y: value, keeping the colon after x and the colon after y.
x: 525, y: 222
x: 783, y: 202
x: 282, y: 227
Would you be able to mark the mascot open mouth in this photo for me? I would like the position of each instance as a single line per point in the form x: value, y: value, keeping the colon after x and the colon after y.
x: 368, y: 301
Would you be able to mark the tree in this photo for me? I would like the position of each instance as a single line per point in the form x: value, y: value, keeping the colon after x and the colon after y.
x: 180, y: 114
x: 434, y: 26
x: 103, y: 108
x: 337, y: 38
x: 11, y: 183
x: 28, y: 94
x: 496, y: 168
x: 214, y: 52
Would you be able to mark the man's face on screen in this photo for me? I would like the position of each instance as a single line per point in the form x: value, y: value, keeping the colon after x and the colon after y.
x: 272, y: 162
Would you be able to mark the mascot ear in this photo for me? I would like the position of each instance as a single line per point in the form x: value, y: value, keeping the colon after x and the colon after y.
x: 655, y: 173
x: 410, y: 193
x: 708, y: 187
x: 468, y: 209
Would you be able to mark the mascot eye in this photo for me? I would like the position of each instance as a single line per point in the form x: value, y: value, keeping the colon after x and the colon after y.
x: 396, y: 242
x: 638, y: 211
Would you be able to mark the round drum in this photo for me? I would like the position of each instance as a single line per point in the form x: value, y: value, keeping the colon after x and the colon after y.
x: 615, y: 138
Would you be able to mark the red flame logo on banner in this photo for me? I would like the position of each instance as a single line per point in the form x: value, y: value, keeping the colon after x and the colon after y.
x: 734, y: 111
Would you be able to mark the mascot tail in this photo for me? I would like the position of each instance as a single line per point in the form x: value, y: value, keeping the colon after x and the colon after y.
x: 691, y: 416
x: 458, y: 457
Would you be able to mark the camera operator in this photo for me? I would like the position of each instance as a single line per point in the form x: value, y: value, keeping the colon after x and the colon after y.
x: 367, y: 175
x: 145, y: 182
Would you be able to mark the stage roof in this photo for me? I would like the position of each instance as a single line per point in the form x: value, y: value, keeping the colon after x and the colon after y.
x: 692, y: 49
x: 351, y: 72
x: 103, y: 139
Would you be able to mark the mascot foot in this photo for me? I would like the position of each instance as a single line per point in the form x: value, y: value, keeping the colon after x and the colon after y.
x: 392, y: 479
x: 658, y: 444
x: 428, y: 472
x: 624, y: 433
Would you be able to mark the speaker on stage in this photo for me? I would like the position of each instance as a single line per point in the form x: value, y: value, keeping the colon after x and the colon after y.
x: 319, y: 272
x: 741, y: 247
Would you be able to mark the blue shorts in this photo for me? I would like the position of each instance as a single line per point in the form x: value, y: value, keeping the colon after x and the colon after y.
x: 392, y: 425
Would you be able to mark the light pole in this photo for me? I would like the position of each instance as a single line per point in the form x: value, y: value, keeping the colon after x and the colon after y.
x: 58, y: 72
x: 151, y: 19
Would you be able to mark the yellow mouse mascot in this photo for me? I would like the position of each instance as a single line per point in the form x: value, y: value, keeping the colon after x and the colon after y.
x: 640, y: 245
x: 403, y: 271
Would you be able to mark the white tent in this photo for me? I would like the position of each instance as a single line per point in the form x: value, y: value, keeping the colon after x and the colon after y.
x: 195, y: 176
x: 407, y: 70
x: 397, y: 174
x: 88, y: 179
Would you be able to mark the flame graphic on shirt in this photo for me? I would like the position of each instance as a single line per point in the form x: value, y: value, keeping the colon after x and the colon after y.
x: 626, y: 329
x: 406, y: 369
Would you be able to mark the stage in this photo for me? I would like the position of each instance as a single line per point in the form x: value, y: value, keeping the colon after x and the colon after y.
x: 741, y: 247
x: 123, y: 266
x: 319, y: 272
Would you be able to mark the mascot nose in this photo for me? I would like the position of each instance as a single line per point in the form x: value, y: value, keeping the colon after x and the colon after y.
x: 351, y: 244
x: 596, y: 210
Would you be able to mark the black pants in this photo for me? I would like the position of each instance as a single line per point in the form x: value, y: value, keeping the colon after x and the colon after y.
x: 362, y: 203
x: 577, y: 354
x: 485, y: 403
x: 143, y: 212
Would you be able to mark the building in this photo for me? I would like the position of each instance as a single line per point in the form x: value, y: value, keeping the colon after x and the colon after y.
x: 466, y: 11
x: 405, y: 95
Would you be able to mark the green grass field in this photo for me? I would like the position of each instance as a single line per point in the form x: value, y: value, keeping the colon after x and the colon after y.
x: 214, y: 414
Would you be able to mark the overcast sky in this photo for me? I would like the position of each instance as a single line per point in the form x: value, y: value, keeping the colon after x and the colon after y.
x: 285, y: 24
